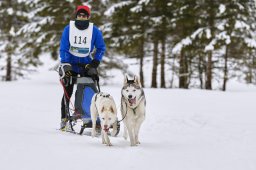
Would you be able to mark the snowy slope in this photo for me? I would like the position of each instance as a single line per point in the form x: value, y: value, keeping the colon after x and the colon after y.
x: 184, y: 130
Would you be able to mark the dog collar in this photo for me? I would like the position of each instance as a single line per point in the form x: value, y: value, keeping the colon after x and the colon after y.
x: 102, y: 95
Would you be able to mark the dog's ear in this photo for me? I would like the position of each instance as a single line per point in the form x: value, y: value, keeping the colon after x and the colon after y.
x: 125, y: 79
x: 112, y: 110
x: 137, y: 80
x: 102, y: 109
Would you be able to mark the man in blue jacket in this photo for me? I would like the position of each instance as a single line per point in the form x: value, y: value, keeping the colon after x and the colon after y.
x: 77, y: 43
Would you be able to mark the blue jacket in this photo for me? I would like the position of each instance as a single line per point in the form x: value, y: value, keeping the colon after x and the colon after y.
x: 67, y: 57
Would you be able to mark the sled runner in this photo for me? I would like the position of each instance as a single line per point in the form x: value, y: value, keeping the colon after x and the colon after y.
x: 86, y: 88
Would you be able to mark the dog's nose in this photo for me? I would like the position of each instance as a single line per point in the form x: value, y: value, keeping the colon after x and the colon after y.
x: 105, y: 126
x: 130, y: 96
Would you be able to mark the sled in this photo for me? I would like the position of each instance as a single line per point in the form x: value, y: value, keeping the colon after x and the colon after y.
x: 86, y: 88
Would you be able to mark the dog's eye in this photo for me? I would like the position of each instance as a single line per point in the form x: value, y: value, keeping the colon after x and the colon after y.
x: 103, y: 118
x: 134, y: 90
x: 109, y: 118
x: 127, y: 90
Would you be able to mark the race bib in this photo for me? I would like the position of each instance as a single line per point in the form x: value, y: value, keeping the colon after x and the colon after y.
x: 80, y: 40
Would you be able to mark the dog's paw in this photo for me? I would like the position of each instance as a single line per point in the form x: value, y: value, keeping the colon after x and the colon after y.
x: 109, y: 144
x: 113, y: 133
x: 133, y: 144
x: 93, y: 133
x: 138, y: 142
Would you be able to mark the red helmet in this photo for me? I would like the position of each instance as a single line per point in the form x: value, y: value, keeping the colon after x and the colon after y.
x: 83, y: 8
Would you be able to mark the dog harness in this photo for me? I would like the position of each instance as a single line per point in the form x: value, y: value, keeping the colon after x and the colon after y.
x: 101, y: 94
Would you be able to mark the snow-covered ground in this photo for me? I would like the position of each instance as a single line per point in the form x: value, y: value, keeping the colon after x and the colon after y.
x: 183, y: 130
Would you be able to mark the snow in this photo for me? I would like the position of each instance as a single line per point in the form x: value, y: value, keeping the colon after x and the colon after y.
x: 241, y: 25
x: 220, y: 36
x: 250, y: 42
x: 86, y: 3
x: 221, y: 26
x: 223, y: 36
x: 208, y: 33
x: 10, y: 11
x: 141, y: 2
x: 210, y: 46
x: 222, y: 8
x: 178, y: 47
x: 12, y: 31
x: 169, y: 4
x: 157, y: 20
x: 139, y: 7
x: 184, y: 129
x: 112, y: 9
x: 136, y: 9
x: 198, y: 32
x: 241, y: 7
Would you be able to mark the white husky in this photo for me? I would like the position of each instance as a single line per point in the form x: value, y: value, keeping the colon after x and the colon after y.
x: 103, y: 105
x: 133, y: 104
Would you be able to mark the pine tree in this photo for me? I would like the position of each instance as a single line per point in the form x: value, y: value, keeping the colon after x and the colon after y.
x: 233, y: 27
x: 128, y: 29
x: 219, y: 28
x: 14, y: 14
x: 185, y: 21
x: 160, y: 13
x: 45, y: 28
x: 102, y: 22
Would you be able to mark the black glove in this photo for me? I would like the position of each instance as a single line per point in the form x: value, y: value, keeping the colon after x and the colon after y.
x: 68, y: 73
x: 95, y: 63
x: 91, y: 69
x: 93, y: 73
x: 65, y: 69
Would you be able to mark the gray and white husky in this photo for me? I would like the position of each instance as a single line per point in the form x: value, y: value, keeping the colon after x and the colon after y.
x: 133, y: 103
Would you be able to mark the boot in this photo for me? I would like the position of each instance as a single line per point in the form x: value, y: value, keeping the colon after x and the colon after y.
x: 63, y: 124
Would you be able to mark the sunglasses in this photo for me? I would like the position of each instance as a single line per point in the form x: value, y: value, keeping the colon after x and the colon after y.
x: 82, y: 15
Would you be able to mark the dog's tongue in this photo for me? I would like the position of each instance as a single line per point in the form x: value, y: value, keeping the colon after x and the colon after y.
x: 106, y: 129
x: 132, y: 101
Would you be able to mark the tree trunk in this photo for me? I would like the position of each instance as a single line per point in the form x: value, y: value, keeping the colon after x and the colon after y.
x: 155, y: 64
x: 225, y: 78
x: 162, y: 64
x: 252, y: 67
x: 8, y: 76
x: 183, y: 73
x: 208, y: 83
x: 200, y: 71
x: 163, y: 42
x: 141, y: 62
x: 173, y: 72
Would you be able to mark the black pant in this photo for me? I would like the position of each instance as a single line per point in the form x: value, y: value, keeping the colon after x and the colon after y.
x: 69, y: 89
